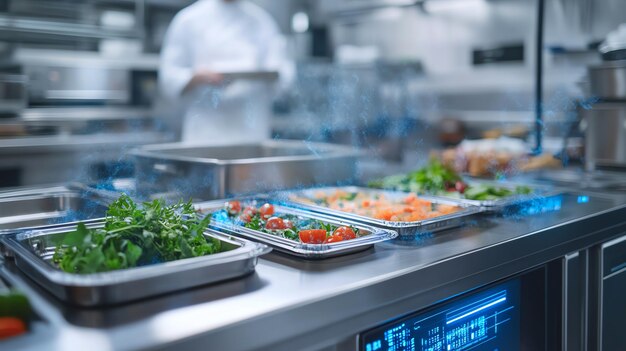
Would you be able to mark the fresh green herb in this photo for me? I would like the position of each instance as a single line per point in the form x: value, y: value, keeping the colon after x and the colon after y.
x: 134, y: 236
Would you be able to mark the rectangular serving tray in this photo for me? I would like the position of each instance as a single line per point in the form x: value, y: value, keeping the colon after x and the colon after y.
x: 430, y: 225
x: 33, y: 251
x: 218, y: 171
x: 310, y: 251
x: 37, y: 207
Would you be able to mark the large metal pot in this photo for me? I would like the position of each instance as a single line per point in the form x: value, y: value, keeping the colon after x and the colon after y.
x: 605, y: 135
x: 608, y: 80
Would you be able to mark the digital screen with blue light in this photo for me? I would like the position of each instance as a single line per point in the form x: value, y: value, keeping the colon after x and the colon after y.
x: 488, y: 320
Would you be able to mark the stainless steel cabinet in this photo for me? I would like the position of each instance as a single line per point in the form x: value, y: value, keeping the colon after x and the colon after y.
x: 574, y: 282
x: 607, y: 303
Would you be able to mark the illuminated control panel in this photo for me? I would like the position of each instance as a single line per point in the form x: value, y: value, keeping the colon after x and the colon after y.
x: 487, y: 320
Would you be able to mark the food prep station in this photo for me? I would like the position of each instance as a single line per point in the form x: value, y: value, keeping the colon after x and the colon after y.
x: 437, y: 175
x: 566, y: 245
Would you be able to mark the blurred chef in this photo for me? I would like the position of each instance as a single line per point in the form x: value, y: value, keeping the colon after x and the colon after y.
x: 207, y: 40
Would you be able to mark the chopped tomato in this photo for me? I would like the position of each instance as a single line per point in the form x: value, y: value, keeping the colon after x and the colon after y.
x: 11, y: 326
x: 334, y: 239
x: 250, y: 209
x: 275, y: 223
x: 245, y: 217
x: 233, y: 207
x: 345, y: 232
x: 288, y: 224
x: 312, y: 236
x: 247, y: 214
x: 266, y: 211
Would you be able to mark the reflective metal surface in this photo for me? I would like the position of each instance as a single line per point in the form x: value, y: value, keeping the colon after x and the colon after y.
x: 608, y: 80
x: 213, y: 172
x: 291, y: 304
x: 605, y: 135
x: 33, y: 251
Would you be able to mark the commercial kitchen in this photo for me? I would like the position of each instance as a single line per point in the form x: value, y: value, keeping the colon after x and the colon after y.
x: 320, y: 175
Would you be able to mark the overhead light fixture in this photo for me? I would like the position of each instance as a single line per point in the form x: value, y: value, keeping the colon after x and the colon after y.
x: 440, y: 6
x: 300, y: 22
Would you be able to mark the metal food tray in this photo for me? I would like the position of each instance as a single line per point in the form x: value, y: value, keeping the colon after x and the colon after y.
x: 538, y: 193
x: 220, y: 171
x: 33, y: 251
x: 35, y: 207
x: 310, y: 251
x: 403, y: 228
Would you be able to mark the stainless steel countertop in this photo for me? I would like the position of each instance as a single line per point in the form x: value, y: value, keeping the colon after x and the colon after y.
x: 292, y: 304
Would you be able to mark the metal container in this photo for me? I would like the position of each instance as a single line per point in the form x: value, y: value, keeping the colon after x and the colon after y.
x: 608, y: 80
x: 538, y: 193
x: 213, y: 172
x: 12, y: 93
x: 33, y: 251
x: 430, y: 225
x: 605, y: 135
x: 42, y: 206
x: 370, y: 234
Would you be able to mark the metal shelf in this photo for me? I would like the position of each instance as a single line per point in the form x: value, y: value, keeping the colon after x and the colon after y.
x: 39, y: 27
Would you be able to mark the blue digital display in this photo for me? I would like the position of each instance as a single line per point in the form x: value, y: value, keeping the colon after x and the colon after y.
x: 487, y: 320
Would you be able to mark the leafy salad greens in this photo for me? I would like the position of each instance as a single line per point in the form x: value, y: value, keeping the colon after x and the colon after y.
x: 136, y: 235
x: 438, y: 179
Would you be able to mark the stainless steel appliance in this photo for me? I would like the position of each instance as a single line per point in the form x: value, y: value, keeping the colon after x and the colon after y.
x: 213, y: 172
x: 605, y: 122
x: 12, y: 93
x: 608, y: 80
x: 605, y: 135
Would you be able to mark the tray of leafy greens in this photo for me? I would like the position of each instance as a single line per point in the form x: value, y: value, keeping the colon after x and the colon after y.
x: 292, y: 230
x: 135, y: 252
x: 437, y: 179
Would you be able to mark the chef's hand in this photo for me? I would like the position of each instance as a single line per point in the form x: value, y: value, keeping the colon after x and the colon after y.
x: 204, y: 77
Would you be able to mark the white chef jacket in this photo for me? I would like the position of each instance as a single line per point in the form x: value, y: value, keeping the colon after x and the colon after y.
x: 223, y: 37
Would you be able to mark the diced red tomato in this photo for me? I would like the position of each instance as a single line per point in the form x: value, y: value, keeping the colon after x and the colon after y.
x: 275, y: 223
x: 11, y: 326
x: 233, y: 207
x: 312, y: 236
x: 247, y: 214
x: 266, y: 211
x: 346, y: 233
x: 334, y: 239
x: 288, y: 224
x: 245, y: 217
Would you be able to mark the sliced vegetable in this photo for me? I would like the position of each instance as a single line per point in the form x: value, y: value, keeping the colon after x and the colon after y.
x: 11, y: 326
x: 312, y: 236
x: 346, y: 233
x: 233, y: 207
x: 266, y: 211
x: 275, y: 223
